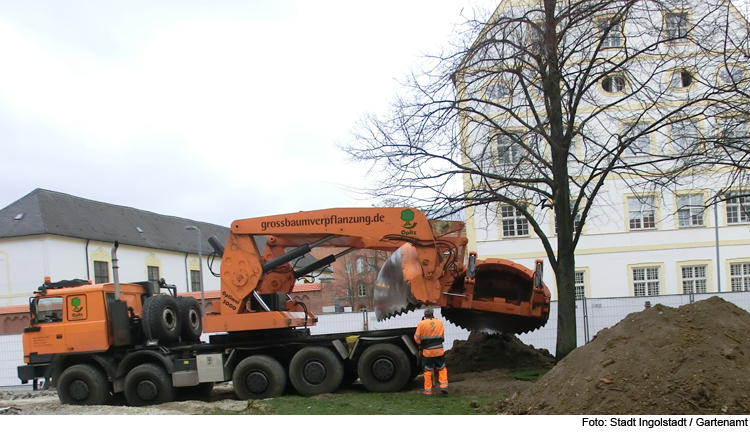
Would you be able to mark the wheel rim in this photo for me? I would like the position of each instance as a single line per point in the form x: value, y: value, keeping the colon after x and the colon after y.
x: 256, y: 382
x: 195, y: 319
x: 383, y: 369
x: 314, y: 372
x: 147, y: 390
x: 170, y: 319
x: 79, y: 390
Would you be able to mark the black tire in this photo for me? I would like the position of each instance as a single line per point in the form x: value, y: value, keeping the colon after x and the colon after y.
x: 192, y: 323
x: 83, y: 385
x: 144, y: 318
x: 163, y: 317
x: 148, y: 384
x: 384, y: 368
x: 259, y: 376
x: 316, y: 370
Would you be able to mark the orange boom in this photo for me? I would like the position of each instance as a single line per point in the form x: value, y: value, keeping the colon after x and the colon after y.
x: 428, y: 266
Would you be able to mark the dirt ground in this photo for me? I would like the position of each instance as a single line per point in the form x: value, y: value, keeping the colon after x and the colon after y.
x: 691, y: 360
x: 496, y: 381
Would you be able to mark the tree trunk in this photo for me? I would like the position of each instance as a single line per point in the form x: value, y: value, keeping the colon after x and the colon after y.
x: 566, y: 305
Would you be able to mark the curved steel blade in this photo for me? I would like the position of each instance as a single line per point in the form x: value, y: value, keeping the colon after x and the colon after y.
x: 392, y: 292
x: 491, y: 322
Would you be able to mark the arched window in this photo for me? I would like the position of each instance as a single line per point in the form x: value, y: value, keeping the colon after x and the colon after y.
x: 361, y: 290
x: 360, y: 265
x: 681, y: 78
x: 614, y: 83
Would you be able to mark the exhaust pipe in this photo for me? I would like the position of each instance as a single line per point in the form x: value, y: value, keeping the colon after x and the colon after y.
x: 116, y: 271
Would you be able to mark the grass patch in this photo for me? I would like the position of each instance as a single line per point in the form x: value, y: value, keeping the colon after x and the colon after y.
x: 529, y: 374
x: 398, y: 403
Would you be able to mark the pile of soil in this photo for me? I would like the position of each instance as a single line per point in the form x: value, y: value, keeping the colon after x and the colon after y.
x: 484, y: 352
x: 690, y: 360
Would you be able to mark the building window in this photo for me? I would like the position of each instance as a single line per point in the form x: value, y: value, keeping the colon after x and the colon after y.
x: 576, y: 220
x: 101, y: 272
x: 153, y: 273
x: 514, y: 223
x: 694, y: 280
x: 731, y: 75
x: 610, y: 33
x: 684, y: 136
x: 509, y: 151
x: 738, y: 208
x: 680, y: 79
x: 580, y: 282
x: 733, y: 131
x: 614, y: 83
x: 690, y: 210
x: 641, y: 213
x: 348, y: 268
x: 739, y: 274
x: 361, y: 290
x: 497, y: 91
x: 646, y: 281
x: 639, y: 141
x: 360, y: 265
x: 195, y: 281
x: 536, y: 37
x: 676, y: 26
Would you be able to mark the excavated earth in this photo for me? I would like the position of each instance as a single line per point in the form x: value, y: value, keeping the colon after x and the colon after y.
x: 482, y: 352
x: 691, y: 360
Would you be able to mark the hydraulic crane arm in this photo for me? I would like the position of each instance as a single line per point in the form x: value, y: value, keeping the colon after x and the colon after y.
x: 425, y: 267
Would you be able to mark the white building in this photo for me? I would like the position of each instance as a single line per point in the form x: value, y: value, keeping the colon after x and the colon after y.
x: 634, y: 243
x: 48, y: 233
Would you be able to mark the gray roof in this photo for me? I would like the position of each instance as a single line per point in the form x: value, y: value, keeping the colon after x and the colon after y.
x: 49, y: 212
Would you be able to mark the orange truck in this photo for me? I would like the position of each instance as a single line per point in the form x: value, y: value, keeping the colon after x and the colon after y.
x: 91, y: 342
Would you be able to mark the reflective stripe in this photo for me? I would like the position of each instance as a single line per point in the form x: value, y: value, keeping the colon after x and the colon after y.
x: 432, y: 343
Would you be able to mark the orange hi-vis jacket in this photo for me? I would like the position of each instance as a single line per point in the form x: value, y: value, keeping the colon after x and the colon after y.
x: 430, y: 335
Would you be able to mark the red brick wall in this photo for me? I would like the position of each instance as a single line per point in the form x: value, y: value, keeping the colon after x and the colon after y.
x: 13, y: 323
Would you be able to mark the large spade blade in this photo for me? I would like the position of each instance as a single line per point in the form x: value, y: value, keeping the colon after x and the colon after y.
x: 491, y: 322
x: 393, y: 294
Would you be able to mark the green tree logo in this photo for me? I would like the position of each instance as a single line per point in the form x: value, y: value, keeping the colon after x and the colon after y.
x: 76, y: 302
x: 407, y: 215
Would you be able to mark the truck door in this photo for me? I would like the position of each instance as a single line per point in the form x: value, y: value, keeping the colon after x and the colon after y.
x: 85, y: 322
x: 49, y: 338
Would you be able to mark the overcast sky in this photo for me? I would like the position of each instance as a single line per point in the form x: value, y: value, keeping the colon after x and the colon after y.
x: 210, y: 110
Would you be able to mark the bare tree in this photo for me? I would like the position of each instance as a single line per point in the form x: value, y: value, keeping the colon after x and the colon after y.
x: 535, y: 107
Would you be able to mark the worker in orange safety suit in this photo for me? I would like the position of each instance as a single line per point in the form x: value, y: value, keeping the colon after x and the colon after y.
x: 430, y: 336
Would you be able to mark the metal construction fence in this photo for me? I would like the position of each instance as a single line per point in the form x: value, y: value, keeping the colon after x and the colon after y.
x: 592, y: 314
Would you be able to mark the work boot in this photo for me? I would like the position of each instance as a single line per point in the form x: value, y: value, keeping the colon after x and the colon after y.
x: 444, y: 391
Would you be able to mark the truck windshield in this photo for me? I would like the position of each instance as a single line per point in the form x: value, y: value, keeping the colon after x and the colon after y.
x: 49, y: 310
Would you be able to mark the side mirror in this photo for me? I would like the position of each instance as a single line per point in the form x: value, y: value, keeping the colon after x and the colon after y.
x: 32, y: 310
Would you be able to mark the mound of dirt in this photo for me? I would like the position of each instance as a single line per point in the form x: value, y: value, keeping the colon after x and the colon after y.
x: 690, y: 360
x: 483, y: 352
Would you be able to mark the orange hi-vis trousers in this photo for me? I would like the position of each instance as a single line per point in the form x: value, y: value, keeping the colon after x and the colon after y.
x: 431, y: 363
x: 442, y: 376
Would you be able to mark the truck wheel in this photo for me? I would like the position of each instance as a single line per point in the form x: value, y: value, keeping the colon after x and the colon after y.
x: 316, y: 370
x: 190, y: 313
x: 148, y: 384
x: 163, y: 317
x: 259, y: 376
x: 83, y: 385
x: 384, y: 368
